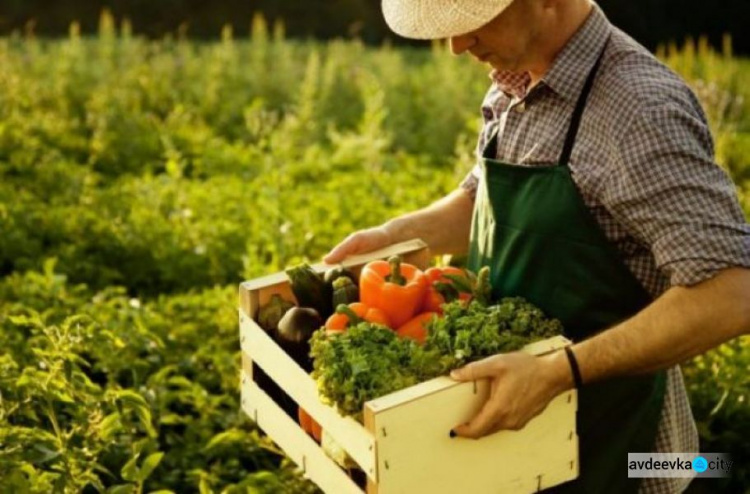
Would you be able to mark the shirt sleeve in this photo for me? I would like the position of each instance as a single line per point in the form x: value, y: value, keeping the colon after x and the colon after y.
x: 471, y: 182
x: 669, y: 193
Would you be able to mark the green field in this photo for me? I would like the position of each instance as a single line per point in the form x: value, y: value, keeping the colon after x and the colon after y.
x: 141, y: 181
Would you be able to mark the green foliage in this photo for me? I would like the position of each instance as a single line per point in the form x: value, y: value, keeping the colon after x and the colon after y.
x: 472, y: 332
x: 141, y: 180
x: 719, y: 386
x: 126, y: 394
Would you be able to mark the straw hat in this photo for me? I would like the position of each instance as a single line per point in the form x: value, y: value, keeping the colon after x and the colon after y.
x: 433, y: 19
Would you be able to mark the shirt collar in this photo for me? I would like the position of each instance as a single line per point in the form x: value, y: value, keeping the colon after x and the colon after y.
x: 512, y: 83
x: 568, y: 72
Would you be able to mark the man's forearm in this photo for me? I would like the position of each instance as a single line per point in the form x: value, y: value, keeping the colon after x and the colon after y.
x: 682, y: 323
x: 443, y: 225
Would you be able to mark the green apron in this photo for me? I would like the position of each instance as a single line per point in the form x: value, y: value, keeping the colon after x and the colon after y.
x: 532, y: 228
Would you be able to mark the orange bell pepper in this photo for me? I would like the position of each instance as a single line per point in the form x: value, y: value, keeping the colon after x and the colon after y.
x: 354, y: 313
x: 317, y: 431
x: 309, y: 424
x: 305, y: 420
x: 416, y: 328
x: 443, y: 289
x: 395, y: 288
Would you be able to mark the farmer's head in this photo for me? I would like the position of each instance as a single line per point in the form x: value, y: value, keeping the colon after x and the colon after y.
x: 507, y: 34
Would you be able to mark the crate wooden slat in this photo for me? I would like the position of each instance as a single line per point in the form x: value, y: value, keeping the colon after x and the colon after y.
x: 300, y: 447
x: 404, y: 440
x: 297, y: 383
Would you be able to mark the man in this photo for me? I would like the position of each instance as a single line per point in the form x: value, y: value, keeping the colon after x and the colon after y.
x: 595, y: 197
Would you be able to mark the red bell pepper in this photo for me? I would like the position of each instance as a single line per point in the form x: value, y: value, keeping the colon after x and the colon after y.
x: 445, y: 285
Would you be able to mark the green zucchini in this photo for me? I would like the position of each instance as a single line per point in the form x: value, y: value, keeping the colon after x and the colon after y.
x: 344, y: 291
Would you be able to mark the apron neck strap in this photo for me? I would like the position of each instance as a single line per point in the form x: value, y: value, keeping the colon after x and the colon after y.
x: 575, y: 121
x: 490, y: 149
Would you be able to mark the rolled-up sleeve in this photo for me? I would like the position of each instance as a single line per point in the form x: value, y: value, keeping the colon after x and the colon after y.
x: 471, y: 182
x: 669, y: 193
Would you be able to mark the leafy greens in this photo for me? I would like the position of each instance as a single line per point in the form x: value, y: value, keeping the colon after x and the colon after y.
x: 369, y: 361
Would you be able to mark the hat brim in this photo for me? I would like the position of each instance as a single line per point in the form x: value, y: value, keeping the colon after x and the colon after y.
x: 436, y: 19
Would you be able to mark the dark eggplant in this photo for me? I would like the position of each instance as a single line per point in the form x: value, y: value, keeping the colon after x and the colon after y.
x: 294, y: 333
x: 270, y: 314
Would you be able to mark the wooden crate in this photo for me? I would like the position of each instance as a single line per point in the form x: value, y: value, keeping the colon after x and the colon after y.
x: 404, y: 445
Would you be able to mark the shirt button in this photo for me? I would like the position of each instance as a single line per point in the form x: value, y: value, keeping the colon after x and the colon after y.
x: 520, y: 107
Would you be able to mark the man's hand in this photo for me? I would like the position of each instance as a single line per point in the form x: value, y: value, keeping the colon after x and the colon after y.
x: 444, y: 226
x: 521, y: 387
x: 360, y: 242
x: 682, y: 323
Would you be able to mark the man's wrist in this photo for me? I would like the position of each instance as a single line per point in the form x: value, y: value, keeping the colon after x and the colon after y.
x: 558, y: 372
x: 397, y: 230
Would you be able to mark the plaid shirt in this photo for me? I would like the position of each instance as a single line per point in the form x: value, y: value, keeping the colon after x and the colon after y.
x: 643, y: 162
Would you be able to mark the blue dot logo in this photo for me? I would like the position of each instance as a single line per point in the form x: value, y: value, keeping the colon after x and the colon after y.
x: 700, y: 464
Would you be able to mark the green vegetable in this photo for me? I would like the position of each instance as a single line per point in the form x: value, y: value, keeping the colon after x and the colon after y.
x: 270, y: 314
x: 311, y: 290
x: 474, y: 331
x: 344, y: 291
x: 365, y: 362
x: 334, y: 274
x: 482, y: 288
x: 295, y: 330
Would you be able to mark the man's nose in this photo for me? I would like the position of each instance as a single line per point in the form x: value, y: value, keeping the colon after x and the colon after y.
x: 461, y: 43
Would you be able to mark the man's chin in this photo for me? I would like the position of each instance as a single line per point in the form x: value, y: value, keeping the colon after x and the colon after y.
x: 500, y: 67
x: 503, y: 65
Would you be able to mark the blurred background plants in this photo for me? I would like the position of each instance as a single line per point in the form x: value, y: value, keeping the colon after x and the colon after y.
x: 141, y: 180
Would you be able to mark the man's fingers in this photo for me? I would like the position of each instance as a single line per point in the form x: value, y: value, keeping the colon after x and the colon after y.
x: 491, y: 414
x: 480, y: 425
x: 488, y: 367
x: 342, y: 250
x: 358, y: 243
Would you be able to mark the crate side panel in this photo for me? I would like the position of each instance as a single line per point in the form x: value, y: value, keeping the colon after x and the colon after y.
x: 546, y: 346
x: 372, y: 477
x: 300, y: 447
x: 413, y: 443
x: 347, y: 432
x: 415, y: 392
